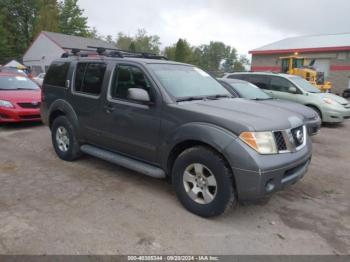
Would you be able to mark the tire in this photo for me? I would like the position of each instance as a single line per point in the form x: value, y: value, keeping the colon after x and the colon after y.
x: 64, y: 139
x: 204, y: 200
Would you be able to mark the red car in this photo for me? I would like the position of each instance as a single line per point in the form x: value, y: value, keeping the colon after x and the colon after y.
x: 20, y: 99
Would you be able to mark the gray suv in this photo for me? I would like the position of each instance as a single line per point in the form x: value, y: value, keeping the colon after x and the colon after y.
x: 167, y: 119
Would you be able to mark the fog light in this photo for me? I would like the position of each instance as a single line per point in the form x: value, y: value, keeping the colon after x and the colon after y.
x: 269, y: 186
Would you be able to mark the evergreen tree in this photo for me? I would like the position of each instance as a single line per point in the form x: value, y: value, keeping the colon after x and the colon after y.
x: 71, y: 20
x: 183, y: 51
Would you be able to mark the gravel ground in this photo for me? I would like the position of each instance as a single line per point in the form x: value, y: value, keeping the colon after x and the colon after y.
x: 48, y: 206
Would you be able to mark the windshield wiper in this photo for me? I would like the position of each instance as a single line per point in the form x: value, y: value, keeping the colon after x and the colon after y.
x: 189, y: 98
x: 214, y: 97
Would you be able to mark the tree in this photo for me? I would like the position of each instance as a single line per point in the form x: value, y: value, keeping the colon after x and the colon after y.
x: 183, y: 51
x: 240, y: 64
x: 231, y: 59
x: 16, y: 27
x: 123, y: 41
x: 71, y: 20
x: 169, y: 52
x: 47, y: 17
x: 140, y: 42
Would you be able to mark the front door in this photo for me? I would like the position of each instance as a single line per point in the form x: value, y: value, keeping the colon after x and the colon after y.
x: 280, y: 89
x: 132, y: 128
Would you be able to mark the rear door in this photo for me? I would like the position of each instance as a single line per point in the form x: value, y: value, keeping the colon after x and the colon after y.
x: 261, y: 81
x: 85, y: 97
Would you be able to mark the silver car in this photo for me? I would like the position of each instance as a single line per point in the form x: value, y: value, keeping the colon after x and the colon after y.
x: 331, y: 108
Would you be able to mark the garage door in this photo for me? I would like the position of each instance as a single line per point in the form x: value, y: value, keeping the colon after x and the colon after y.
x: 322, y: 65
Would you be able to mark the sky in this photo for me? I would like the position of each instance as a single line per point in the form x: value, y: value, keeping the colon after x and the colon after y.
x: 243, y: 24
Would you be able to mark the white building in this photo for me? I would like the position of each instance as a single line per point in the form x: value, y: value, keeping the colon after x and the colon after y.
x: 49, y: 46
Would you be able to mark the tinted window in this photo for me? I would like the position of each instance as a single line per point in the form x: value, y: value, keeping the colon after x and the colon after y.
x: 89, y: 78
x: 260, y: 81
x: 57, y: 74
x: 186, y: 81
x: 126, y: 77
x: 280, y: 84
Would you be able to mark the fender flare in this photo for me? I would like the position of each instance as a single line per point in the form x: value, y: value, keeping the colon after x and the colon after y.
x: 204, y: 133
x: 67, y: 110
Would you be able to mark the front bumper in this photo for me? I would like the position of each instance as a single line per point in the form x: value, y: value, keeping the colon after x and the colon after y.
x: 13, y: 115
x: 336, y: 115
x: 257, y: 176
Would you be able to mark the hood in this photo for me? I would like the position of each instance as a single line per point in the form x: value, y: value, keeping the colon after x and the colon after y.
x: 306, y: 112
x: 336, y: 98
x: 16, y: 96
x: 240, y: 115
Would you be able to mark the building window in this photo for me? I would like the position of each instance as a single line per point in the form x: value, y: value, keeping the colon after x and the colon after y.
x: 341, y: 56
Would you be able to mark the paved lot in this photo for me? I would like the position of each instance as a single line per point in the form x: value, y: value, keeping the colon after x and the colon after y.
x: 48, y: 206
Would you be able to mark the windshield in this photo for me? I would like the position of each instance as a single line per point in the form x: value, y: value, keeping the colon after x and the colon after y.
x: 187, y: 81
x: 250, y: 91
x: 16, y: 83
x: 305, y: 85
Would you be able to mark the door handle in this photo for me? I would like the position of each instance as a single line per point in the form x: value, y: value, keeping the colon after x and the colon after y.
x: 109, y: 108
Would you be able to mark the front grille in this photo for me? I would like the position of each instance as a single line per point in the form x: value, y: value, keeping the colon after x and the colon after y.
x: 298, y: 136
x: 281, y: 144
x: 30, y: 105
x: 26, y: 117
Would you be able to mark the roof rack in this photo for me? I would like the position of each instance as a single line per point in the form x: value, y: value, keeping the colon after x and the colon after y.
x: 110, y: 52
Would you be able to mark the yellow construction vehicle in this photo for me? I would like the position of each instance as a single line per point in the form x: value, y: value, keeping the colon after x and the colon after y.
x: 295, y: 65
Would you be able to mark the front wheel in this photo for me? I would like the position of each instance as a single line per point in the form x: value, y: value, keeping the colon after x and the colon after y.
x: 203, y: 182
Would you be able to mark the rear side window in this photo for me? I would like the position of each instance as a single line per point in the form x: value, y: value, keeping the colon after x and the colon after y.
x: 262, y: 82
x: 57, y: 74
x: 89, y: 78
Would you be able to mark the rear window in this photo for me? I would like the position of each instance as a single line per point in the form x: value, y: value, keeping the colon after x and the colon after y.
x: 57, y: 74
x: 17, y: 83
x: 89, y: 78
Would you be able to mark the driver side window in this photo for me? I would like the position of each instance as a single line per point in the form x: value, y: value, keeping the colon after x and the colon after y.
x: 280, y: 84
x: 126, y: 77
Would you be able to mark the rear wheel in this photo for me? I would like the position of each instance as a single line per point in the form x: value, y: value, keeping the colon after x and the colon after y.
x: 203, y: 182
x: 64, y: 139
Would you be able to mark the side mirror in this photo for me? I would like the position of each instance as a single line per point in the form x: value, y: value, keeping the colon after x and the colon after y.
x: 292, y: 90
x: 139, y: 94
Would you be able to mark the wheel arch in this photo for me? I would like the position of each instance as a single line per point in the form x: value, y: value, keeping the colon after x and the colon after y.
x: 63, y: 108
x: 196, y: 134
x: 313, y: 106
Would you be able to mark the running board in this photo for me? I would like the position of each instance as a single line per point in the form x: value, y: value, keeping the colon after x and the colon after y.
x: 123, y: 161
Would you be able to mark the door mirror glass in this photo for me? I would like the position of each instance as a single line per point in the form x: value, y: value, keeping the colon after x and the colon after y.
x: 292, y: 90
x: 138, y: 94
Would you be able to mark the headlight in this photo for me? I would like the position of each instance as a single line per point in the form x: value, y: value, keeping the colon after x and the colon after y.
x: 6, y: 104
x: 329, y: 101
x: 262, y: 142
